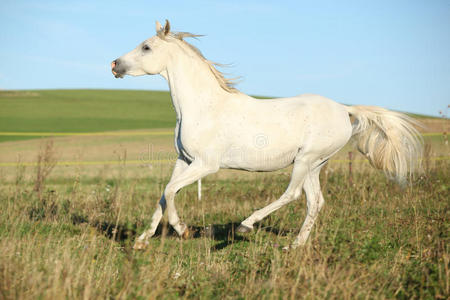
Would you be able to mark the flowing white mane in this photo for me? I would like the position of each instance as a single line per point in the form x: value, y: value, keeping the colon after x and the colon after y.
x: 228, y: 84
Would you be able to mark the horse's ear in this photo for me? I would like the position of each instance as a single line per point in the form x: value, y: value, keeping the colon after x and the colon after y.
x: 167, y: 27
x: 158, y: 26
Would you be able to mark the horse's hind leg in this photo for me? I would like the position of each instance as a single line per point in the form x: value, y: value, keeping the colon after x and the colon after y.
x: 315, y: 201
x: 301, y: 168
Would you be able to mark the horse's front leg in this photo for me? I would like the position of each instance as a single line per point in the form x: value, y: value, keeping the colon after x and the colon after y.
x: 195, y: 171
x: 142, y: 241
x: 191, y: 173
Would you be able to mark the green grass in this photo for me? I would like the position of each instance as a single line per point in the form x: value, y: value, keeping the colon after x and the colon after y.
x: 83, y: 111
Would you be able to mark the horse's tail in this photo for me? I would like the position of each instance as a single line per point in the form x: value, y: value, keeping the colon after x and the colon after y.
x: 388, y: 139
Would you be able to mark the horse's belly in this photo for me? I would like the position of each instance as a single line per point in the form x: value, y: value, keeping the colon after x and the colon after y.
x: 257, y: 160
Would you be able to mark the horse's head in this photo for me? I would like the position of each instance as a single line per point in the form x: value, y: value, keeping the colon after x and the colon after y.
x: 149, y: 57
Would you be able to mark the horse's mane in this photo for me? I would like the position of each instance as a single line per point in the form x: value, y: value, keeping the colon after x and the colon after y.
x: 226, y: 83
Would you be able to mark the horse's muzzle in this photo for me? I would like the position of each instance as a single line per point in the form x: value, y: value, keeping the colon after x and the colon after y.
x: 117, y: 69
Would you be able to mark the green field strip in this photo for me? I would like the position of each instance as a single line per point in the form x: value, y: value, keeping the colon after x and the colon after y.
x: 86, y: 133
x: 87, y: 163
x: 433, y: 134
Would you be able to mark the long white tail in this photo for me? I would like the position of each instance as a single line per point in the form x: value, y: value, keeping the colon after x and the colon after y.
x: 388, y: 139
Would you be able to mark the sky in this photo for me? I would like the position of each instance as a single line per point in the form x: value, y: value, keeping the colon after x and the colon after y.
x: 394, y: 54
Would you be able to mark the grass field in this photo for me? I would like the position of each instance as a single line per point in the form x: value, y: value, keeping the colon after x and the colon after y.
x: 83, y: 111
x: 67, y: 231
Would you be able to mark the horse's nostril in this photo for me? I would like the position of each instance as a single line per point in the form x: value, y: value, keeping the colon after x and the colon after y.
x: 117, y: 68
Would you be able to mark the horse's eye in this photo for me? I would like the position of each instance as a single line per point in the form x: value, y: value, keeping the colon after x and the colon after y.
x: 145, y: 48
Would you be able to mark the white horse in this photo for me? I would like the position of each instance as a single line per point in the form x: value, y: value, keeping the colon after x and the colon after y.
x: 220, y: 127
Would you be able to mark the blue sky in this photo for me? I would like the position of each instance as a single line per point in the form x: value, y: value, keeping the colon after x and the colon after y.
x: 394, y: 54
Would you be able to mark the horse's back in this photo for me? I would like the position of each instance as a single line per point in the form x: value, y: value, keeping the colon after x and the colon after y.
x: 306, y: 121
x: 313, y: 110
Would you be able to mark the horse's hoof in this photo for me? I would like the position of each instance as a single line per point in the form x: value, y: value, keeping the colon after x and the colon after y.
x: 244, y: 229
x: 140, y: 245
x: 185, y: 234
x: 293, y: 246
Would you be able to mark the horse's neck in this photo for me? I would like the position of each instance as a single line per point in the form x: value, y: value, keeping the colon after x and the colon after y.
x: 193, y: 87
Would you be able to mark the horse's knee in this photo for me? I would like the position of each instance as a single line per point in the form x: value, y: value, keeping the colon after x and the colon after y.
x: 169, y: 194
x: 173, y: 217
